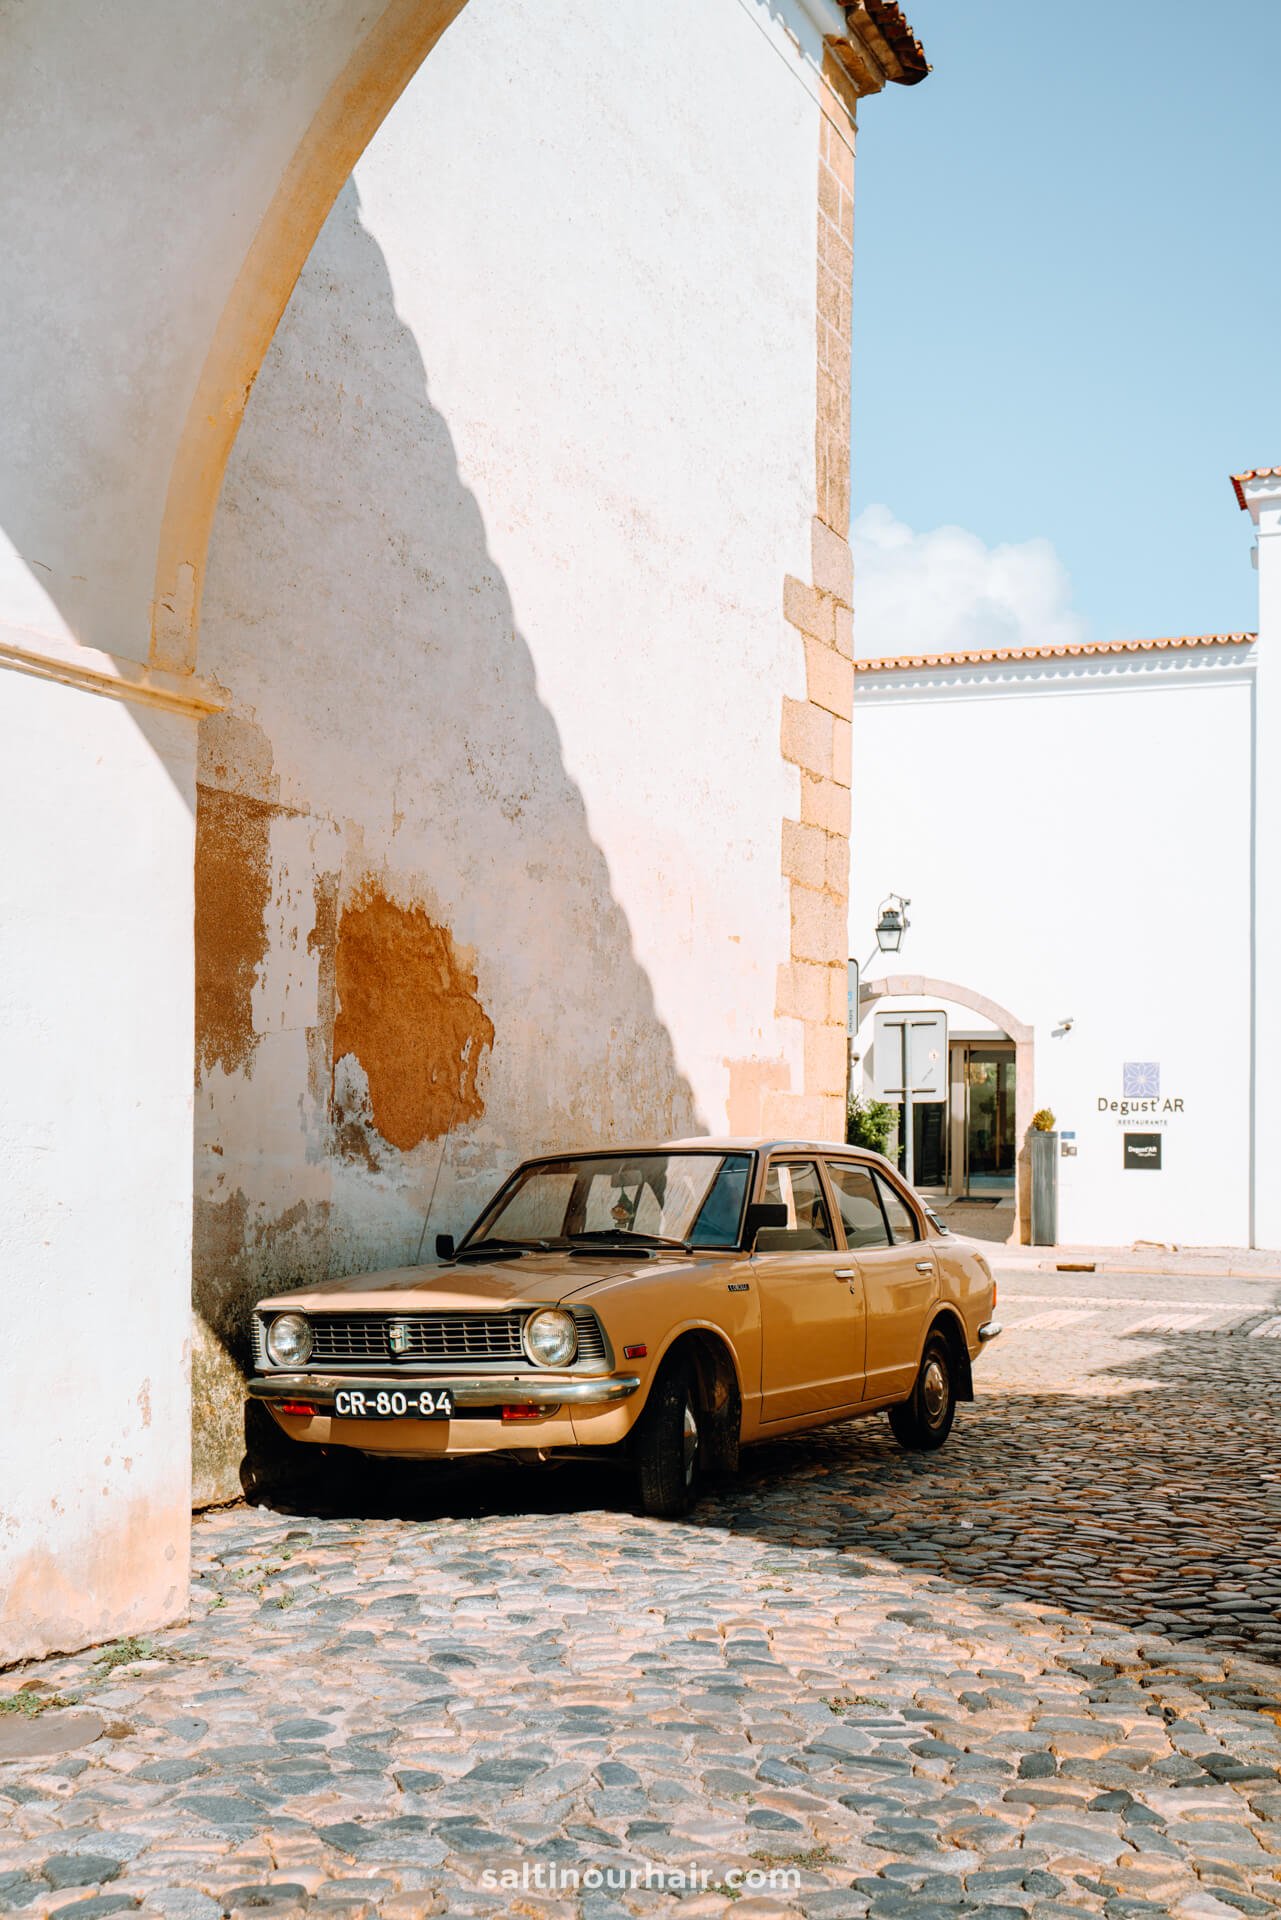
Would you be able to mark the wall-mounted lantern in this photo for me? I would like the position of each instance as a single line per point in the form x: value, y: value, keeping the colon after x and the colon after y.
x: 893, y: 923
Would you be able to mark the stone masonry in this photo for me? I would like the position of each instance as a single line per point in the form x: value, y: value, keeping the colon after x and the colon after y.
x: 816, y: 734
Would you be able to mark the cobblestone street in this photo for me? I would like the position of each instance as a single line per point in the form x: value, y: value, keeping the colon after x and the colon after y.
x: 1039, y: 1672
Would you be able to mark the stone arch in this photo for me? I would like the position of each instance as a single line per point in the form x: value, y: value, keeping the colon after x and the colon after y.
x: 350, y: 114
x: 921, y: 986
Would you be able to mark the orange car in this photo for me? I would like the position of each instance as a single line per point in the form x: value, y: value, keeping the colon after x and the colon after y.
x: 659, y: 1305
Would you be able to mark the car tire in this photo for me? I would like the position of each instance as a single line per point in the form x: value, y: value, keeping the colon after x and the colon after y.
x: 924, y: 1421
x: 668, y: 1444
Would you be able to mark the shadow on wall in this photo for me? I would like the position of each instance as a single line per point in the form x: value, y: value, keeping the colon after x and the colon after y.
x: 405, y: 934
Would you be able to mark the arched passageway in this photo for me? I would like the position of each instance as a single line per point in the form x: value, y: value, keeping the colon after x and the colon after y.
x: 921, y: 986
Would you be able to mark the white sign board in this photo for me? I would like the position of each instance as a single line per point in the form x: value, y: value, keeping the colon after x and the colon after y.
x: 911, y: 1057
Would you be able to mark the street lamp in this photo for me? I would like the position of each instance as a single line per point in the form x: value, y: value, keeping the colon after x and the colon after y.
x: 893, y: 923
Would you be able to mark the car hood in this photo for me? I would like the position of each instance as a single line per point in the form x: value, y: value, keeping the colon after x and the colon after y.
x: 480, y: 1287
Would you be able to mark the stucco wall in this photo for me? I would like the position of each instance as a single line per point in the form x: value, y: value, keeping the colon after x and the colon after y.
x: 95, y: 1145
x: 148, y: 143
x: 489, y: 839
x: 145, y: 147
x: 1084, y: 853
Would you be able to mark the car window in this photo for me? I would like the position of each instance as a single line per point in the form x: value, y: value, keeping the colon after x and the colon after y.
x: 659, y: 1195
x: 537, y: 1209
x: 903, y: 1223
x: 796, y: 1185
x: 860, y: 1209
x: 718, y: 1222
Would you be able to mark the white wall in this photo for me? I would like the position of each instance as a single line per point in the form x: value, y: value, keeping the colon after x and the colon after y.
x: 147, y: 143
x: 95, y: 1148
x: 496, y: 591
x: 1264, y: 499
x: 1085, y: 852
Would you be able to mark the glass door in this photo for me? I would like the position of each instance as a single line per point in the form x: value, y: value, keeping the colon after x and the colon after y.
x: 990, y: 1144
x: 929, y: 1144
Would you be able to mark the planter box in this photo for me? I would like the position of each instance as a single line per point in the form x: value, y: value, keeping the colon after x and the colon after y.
x: 1044, y: 1151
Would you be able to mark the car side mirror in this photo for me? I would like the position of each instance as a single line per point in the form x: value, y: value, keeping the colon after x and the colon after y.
x: 763, y: 1213
x: 444, y: 1246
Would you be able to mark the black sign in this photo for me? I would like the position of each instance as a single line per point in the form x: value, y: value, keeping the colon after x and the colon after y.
x: 1143, y: 1151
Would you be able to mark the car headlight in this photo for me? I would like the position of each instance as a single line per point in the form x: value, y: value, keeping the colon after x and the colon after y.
x: 551, y: 1338
x: 289, y: 1340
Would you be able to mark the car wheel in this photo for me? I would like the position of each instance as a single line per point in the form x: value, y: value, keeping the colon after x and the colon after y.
x: 925, y: 1420
x: 668, y: 1444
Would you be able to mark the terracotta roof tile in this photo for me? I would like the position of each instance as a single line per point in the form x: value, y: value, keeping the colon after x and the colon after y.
x: 1081, y: 649
x: 888, y: 20
x: 1255, y: 473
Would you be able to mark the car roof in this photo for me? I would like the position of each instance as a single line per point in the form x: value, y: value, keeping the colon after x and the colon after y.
x: 756, y: 1143
x: 712, y: 1143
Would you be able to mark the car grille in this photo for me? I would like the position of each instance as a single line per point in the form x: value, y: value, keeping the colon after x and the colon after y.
x: 427, y: 1336
x: 434, y: 1338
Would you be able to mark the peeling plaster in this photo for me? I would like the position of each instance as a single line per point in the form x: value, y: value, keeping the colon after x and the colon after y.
x: 233, y: 892
x: 408, y: 1011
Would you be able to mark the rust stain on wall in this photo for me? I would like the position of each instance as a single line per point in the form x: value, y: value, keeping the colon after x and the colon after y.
x: 322, y: 941
x: 233, y: 892
x: 408, y: 1010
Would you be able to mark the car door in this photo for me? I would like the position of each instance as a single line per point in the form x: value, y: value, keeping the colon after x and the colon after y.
x: 812, y: 1317
x: 896, y: 1267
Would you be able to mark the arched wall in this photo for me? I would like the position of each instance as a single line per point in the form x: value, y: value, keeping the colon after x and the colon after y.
x: 170, y: 168
x: 918, y: 985
x: 352, y: 111
x: 206, y: 147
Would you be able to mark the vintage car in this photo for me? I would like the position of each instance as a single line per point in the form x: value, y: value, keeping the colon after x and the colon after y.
x: 659, y: 1305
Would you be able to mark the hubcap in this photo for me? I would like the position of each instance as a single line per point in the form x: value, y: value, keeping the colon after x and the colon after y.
x: 934, y: 1392
x: 689, y: 1442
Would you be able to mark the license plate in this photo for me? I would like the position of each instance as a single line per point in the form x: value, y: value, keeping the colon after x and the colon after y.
x: 393, y: 1403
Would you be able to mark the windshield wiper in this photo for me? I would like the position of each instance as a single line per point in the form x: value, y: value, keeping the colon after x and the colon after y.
x: 621, y: 1237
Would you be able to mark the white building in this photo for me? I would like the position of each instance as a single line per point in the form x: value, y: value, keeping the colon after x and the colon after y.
x: 423, y: 565
x: 1095, y: 886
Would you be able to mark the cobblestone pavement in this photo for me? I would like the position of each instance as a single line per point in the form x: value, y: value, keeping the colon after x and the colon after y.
x: 1034, y: 1674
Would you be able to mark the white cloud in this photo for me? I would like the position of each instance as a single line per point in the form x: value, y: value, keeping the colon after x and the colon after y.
x: 946, y: 592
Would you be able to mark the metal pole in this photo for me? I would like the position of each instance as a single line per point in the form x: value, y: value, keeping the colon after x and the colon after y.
x: 909, y: 1145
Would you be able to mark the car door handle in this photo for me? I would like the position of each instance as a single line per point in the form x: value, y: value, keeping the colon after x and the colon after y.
x: 925, y: 1266
x: 844, y: 1273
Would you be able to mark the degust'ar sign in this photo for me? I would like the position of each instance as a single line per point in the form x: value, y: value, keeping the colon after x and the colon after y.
x: 1141, y: 1097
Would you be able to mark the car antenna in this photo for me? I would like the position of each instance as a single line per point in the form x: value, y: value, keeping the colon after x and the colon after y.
x: 453, y: 1119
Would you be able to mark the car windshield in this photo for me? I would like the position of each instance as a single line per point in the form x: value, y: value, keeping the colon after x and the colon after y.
x: 688, y: 1199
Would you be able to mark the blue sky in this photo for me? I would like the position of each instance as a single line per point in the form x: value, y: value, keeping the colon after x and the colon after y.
x: 1067, y: 294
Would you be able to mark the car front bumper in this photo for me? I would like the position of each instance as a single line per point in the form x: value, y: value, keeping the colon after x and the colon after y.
x: 989, y: 1331
x: 469, y: 1390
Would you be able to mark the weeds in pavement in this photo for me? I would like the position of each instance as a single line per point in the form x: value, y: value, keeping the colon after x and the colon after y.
x: 31, y: 1703
x: 132, y: 1651
x: 124, y: 1653
x: 808, y: 1862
